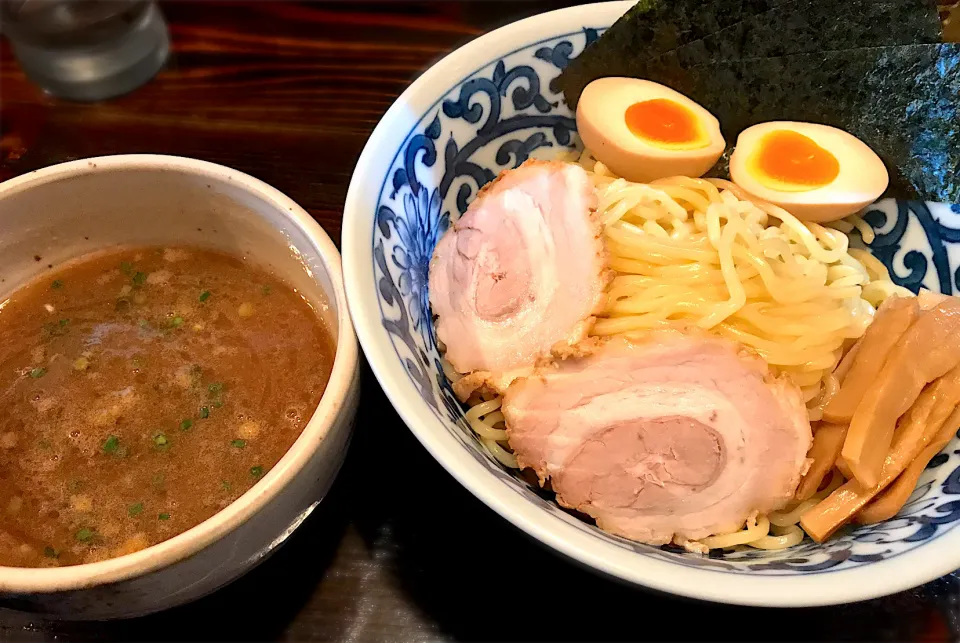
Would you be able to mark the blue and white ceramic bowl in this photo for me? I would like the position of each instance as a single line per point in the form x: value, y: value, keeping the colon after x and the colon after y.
x: 487, y: 107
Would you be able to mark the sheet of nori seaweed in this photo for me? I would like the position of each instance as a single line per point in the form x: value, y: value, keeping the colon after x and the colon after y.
x: 651, y: 28
x: 638, y: 39
x: 904, y: 102
x: 808, y: 26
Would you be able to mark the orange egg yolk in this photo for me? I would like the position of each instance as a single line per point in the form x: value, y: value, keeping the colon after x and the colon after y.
x: 794, y: 162
x: 665, y: 123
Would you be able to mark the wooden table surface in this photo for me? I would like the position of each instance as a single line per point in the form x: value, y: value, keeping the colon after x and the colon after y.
x: 398, y: 551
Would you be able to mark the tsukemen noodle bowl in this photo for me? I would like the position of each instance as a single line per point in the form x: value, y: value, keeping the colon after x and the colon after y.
x: 665, y: 326
x: 178, y: 377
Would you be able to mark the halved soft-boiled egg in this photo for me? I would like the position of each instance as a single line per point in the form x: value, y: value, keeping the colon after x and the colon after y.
x: 645, y: 131
x: 814, y: 172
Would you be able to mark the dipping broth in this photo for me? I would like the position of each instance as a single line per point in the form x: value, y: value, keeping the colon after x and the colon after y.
x: 142, y: 392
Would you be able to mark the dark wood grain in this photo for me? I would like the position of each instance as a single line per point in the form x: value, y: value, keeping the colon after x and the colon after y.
x: 950, y: 17
x: 398, y: 551
x: 285, y: 92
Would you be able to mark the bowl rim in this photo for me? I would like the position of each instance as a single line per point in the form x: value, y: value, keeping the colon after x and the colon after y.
x: 910, y: 569
x: 30, y: 580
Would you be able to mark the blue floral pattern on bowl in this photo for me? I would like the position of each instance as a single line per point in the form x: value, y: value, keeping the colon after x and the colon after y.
x: 508, y: 111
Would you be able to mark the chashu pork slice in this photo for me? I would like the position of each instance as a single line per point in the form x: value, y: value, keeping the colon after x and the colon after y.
x: 521, y: 271
x: 672, y: 438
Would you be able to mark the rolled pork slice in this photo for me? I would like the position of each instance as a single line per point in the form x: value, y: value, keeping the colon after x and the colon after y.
x: 523, y: 270
x: 672, y: 438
